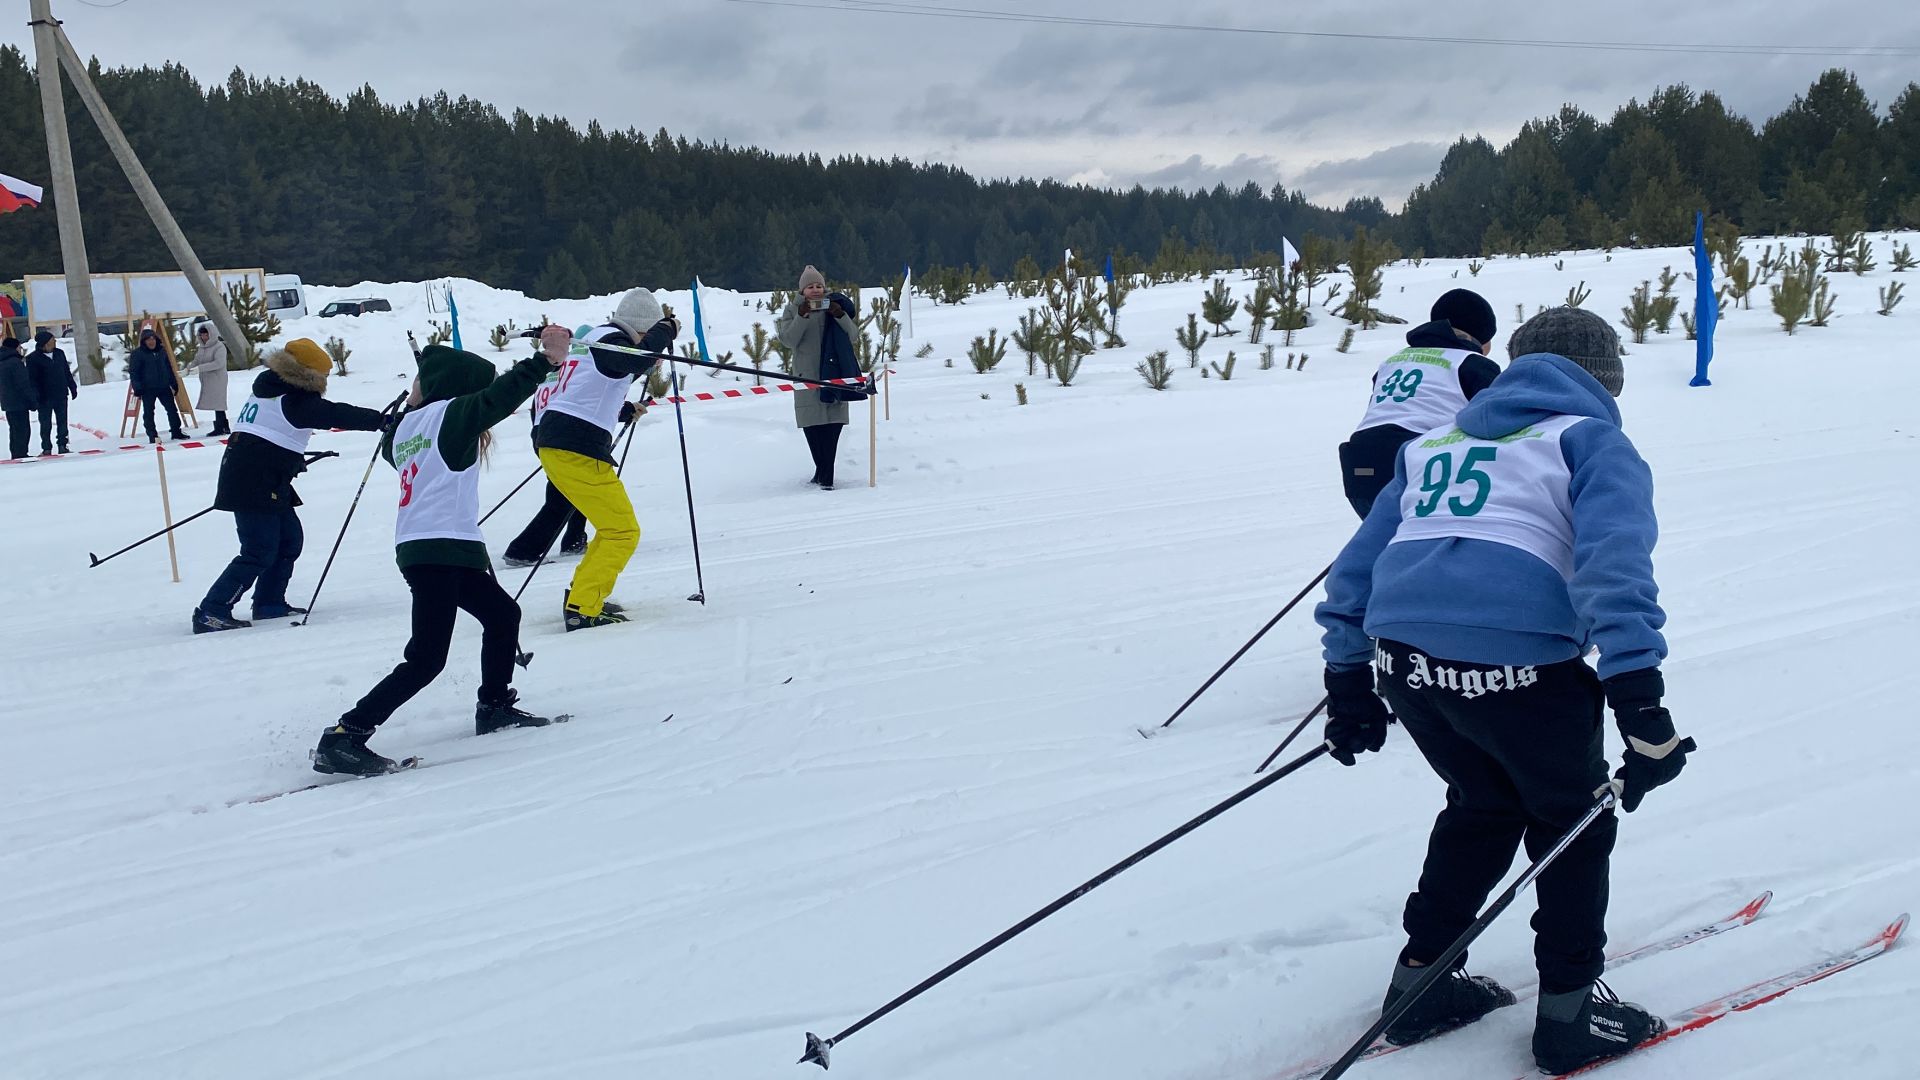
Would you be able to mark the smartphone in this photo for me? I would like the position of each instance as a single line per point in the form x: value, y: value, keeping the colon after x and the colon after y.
x: 817, y: 305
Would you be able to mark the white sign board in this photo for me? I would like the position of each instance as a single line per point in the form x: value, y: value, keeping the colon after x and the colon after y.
x: 120, y: 297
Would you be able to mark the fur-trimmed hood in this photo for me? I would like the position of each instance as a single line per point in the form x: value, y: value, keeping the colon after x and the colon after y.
x: 297, y: 375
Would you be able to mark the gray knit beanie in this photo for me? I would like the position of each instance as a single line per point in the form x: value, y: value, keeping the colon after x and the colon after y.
x: 1580, y: 336
x: 810, y: 276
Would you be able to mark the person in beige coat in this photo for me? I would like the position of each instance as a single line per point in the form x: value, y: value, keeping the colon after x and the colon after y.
x: 210, y: 361
x: 820, y: 329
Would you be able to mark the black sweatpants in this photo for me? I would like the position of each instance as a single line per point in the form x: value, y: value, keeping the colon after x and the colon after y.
x: 165, y: 399
x: 1523, y: 754
x: 19, y: 433
x: 537, y: 538
x: 53, y: 424
x: 438, y: 593
x: 824, y: 441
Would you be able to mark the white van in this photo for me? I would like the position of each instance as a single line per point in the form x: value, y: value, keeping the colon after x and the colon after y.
x: 286, y: 299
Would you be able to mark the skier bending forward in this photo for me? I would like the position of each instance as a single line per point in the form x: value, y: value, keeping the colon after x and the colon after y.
x: 436, y: 447
x: 1505, y: 544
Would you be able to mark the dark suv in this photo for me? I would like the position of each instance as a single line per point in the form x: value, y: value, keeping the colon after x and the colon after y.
x: 354, y: 307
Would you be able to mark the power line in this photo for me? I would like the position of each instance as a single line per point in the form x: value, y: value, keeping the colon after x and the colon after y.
x: 897, y: 7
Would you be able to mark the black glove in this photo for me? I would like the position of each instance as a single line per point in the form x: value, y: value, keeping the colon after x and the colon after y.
x: 659, y: 337
x: 1356, y: 717
x: 1655, y: 753
x: 390, y: 422
x: 628, y: 410
x: 834, y: 309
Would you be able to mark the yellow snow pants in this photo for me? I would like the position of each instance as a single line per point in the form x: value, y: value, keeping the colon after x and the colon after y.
x: 595, y: 490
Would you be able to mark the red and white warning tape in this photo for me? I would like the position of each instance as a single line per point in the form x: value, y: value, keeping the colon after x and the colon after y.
x: 189, y: 444
x: 756, y: 391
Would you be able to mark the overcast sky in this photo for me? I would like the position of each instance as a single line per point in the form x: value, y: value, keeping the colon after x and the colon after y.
x: 1333, y: 118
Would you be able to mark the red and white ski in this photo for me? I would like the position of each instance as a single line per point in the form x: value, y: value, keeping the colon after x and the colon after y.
x: 1681, y: 940
x: 1753, y: 996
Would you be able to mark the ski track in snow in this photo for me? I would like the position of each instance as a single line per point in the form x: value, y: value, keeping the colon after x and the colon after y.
x: 905, y: 719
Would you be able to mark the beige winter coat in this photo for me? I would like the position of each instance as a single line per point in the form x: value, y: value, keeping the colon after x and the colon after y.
x: 211, y: 363
x: 803, y: 337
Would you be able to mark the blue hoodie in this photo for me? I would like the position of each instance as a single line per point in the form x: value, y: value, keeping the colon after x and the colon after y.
x: 1481, y: 602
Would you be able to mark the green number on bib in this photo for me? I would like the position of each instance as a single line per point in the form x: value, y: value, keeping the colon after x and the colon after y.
x: 1402, y: 385
x: 252, y: 410
x: 1439, y: 476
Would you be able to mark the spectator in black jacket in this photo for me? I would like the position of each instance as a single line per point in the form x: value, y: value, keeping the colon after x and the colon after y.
x: 154, y: 380
x: 266, y: 451
x: 53, y: 385
x: 16, y: 398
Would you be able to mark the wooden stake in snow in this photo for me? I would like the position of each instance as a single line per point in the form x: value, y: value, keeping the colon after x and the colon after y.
x: 873, y: 441
x: 166, y: 509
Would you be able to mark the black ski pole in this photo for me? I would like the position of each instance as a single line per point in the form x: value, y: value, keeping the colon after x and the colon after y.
x: 1441, y: 967
x: 510, y: 495
x: 693, y: 523
x: 96, y: 560
x: 545, y: 555
x: 1292, y: 735
x: 1235, y: 658
x: 818, y: 1048
x: 867, y: 386
x: 351, y: 507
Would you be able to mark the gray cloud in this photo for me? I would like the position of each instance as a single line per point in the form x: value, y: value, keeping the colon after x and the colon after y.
x: 1393, y: 170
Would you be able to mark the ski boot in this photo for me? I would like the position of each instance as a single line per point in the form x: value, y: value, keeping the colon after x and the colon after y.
x: 1579, y: 1028
x: 1455, y: 1001
x: 263, y: 612
x: 574, y: 549
x: 500, y: 715
x: 344, y: 750
x: 212, y: 622
x: 517, y: 563
x: 606, y: 606
x: 578, y: 621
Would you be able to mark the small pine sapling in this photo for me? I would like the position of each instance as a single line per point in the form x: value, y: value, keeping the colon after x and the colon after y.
x: 441, y: 334
x: 1346, y: 341
x: 1219, y: 307
x: 1890, y: 296
x: 1020, y: 392
x: 1903, y: 259
x: 1260, y: 310
x: 1791, y: 299
x: 1846, y: 243
x: 1156, y: 370
x: 1578, y: 294
x: 1266, y: 358
x: 1028, y: 336
x: 1065, y: 359
x: 1474, y: 266
x: 1190, y: 338
x: 1823, y: 303
x: 1686, y: 323
x: 1225, y: 372
x: 659, y: 385
x: 1863, y: 261
x: 785, y: 352
x: 925, y: 351
x: 1559, y: 264
x: 338, y: 351
x: 1638, y: 315
x: 987, y: 352
x: 1303, y: 362
x: 1116, y: 298
x: 757, y: 346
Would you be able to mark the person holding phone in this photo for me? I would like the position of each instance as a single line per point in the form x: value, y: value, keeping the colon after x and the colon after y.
x: 820, y: 327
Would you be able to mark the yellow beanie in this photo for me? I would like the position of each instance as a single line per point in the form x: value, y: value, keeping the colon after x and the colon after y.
x: 310, y: 355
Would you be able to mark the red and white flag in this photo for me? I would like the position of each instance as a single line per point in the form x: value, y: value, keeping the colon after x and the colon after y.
x: 15, y: 194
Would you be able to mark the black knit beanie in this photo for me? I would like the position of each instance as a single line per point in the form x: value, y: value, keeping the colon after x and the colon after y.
x: 1469, y: 313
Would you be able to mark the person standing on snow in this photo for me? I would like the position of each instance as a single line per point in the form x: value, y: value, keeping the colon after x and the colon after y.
x: 267, y: 450
x: 1508, y: 540
x: 1422, y: 386
x: 820, y: 329
x: 16, y: 398
x: 210, y: 360
x: 437, y: 448
x: 575, y: 441
x: 556, y: 518
x: 151, y: 371
x: 53, y: 387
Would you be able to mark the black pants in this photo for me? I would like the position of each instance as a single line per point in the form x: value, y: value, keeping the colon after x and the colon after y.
x: 537, y: 538
x: 19, y: 432
x: 1366, y: 464
x: 53, y: 424
x: 824, y: 441
x: 270, y: 543
x: 1522, y: 757
x: 146, y: 414
x: 439, y: 592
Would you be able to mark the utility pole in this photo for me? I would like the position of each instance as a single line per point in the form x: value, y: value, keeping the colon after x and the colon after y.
x: 66, y: 199
x: 176, y: 241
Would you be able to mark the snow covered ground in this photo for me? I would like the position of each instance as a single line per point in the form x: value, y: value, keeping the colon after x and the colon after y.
x: 905, y: 719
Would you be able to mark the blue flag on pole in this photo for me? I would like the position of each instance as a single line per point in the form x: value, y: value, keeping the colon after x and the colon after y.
x: 453, y: 312
x: 1706, y: 304
x: 1109, y: 266
x: 699, y: 324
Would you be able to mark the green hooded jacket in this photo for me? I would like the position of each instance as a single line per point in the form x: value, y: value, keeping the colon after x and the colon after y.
x: 478, y: 401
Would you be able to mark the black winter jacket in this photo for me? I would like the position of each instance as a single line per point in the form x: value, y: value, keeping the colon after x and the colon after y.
x: 51, y: 376
x: 16, y: 384
x: 151, y: 373
x: 256, y: 475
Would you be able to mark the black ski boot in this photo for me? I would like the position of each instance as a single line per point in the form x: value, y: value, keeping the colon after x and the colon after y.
x: 275, y: 611
x: 578, y: 621
x: 1454, y: 1002
x: 342, y: 750
x: 606, y: 606
x: 1579, y: 1028
x: 212, y: 622
x: 500, y: 715
x: 518, y: 563
x: 571, y: 549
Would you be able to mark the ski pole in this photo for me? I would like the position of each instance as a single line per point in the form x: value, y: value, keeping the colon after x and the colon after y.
x: 96, y: 560
x: 868, y: 385
x: 510, y: 494
x: 693, y: 523
x: 1441, y: 967
x: 555, y: 538
x: 1292, y: 735
x: 351, y: 507
x: 818, y: 1048
x: 1251, y: 642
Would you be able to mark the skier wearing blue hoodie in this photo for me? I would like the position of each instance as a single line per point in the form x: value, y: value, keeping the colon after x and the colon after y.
x: 1506, y: 544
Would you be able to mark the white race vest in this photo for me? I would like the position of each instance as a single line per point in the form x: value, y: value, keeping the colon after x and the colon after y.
x: 582, y: 392
x: 267, y: 418
x: 1511, y: 490
x: 436, y: 503
x: 549, y: 387
x: 1417, y: 389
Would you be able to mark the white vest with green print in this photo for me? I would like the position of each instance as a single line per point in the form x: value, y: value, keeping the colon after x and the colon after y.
x: 1513, y: 490
x: 436, y: 503
x: 1417, y: 389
